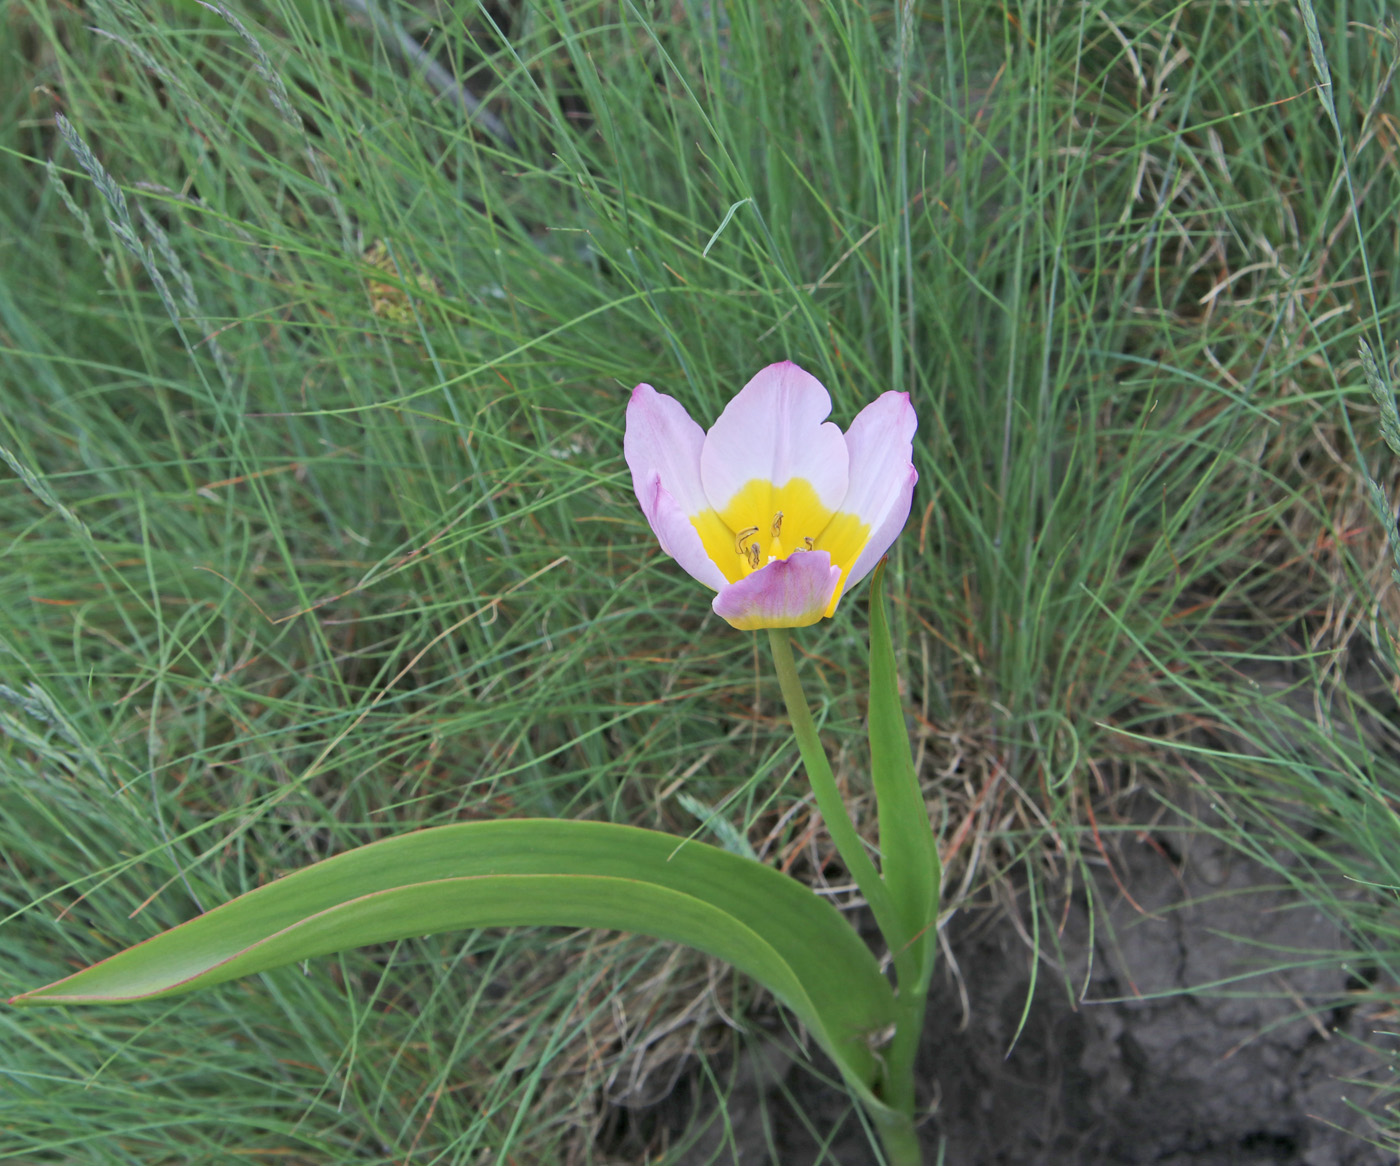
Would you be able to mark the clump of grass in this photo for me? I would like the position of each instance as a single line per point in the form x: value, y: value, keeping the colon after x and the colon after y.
x: 320, y: 529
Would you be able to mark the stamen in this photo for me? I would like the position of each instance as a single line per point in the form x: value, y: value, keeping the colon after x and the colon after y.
x: 754, y: 556
x: 777, y: 524
x: 742, y: 537
x: 810, y: 543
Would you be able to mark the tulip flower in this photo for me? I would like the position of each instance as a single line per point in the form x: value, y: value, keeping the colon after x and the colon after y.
x: 774, y: 508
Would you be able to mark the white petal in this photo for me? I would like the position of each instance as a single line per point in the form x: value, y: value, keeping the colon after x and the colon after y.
x: 678, y: 536
x: 661, y: 441
x: 775, y: 430
x: 882, y: 476
x: 662, y: 447
x: 884, y: 532
x: 881, y: 447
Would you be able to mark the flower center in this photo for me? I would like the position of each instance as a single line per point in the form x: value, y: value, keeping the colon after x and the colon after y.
x: 762, y: 523
x: 750, y: 549
x: 768, y: 523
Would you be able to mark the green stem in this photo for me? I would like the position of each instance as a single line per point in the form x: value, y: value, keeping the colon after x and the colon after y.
x: 901, y: 1141
x: 829, y: 800
x: 912, y: 955
x: 914, y: 976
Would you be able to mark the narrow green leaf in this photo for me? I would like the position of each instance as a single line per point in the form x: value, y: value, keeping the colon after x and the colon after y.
x: 908, y: 849
x: 535, y: 872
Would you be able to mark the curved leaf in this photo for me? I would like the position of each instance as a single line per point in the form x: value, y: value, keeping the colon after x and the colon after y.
x: 542, y: 872
x: 907, y: 845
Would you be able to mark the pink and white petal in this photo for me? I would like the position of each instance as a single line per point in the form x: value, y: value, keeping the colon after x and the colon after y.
x: 787, y: 593
x: 774, y: 430
x: 882, y: 476
x: 880, y: 442
x: 662, y: 441
x: 677, y: 534
x: 884, y: 531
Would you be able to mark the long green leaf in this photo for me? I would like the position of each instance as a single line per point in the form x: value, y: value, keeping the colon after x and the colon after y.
x: 908, y: 850
x: 541, y: 872
x: 909, y: 854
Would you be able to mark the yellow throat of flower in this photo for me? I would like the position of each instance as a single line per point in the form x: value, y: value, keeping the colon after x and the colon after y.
x: 764, y: 522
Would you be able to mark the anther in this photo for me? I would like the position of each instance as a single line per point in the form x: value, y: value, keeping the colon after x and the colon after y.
x: 754, y: 556
x: 742, y: 537
x: 777, y: 524
x: 810, y: 543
